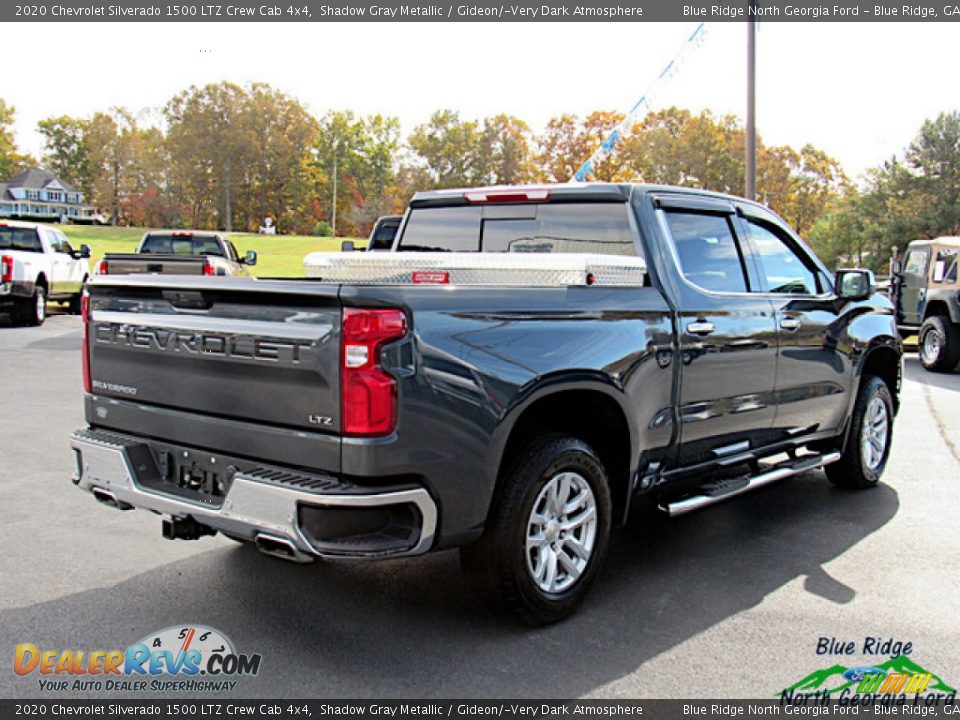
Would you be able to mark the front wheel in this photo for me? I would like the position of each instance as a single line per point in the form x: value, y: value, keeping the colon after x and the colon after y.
x: 547, y: 533
x: 868, y: 444
x: 939, y: 344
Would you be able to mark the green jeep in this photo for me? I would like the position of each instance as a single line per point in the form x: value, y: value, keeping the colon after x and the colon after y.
x: 926, y: 291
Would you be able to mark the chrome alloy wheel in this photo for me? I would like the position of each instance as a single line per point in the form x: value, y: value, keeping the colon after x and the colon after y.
x: 873, y: 441
x: 932, y: 345
x: 40, y: 306
x: 561, y: 532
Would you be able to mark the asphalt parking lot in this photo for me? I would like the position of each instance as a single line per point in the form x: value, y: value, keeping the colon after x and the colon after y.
x: 725, y: 603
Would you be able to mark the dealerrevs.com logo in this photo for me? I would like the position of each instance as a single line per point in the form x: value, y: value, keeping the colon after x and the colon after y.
x: 180, y: 658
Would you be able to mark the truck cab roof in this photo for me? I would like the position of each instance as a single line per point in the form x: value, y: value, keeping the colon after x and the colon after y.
x: 948, y: 241
x: 558, y: 192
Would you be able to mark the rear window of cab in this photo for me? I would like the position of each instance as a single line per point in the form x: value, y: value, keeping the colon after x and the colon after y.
x: 593, y: 228
x: 172, y: 244
x: 20, y: 239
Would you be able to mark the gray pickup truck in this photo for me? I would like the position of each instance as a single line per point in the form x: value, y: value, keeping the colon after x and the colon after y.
x: 530, y: 368
x: 180, y: 252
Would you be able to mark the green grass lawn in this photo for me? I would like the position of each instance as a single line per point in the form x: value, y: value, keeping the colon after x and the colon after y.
x: 277, y: 255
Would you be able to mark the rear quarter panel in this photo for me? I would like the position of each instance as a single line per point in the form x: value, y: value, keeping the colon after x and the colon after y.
x: 475, y: 358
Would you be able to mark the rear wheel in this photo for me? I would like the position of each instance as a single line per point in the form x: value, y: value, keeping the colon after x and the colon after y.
x: 547, y: 533
x: 75, y: 306
x: 32, y: 310
x: 939, y: 344
x: 868, y: 444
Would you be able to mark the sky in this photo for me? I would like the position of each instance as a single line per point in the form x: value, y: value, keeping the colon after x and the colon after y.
x: 859, y: 91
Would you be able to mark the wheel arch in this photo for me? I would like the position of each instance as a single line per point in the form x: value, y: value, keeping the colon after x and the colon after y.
x: 883, y: 359
x: 589, y: 407
x: 941, y: 304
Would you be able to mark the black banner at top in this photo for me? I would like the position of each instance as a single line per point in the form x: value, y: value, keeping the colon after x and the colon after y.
x: 477, y: 11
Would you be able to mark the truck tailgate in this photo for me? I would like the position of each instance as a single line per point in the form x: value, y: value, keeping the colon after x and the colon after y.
x: 245, y: 352
x: 128, y: 264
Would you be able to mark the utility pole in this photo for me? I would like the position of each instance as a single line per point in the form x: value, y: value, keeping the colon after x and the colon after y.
x: 336, y: 150
x: 750, y: 191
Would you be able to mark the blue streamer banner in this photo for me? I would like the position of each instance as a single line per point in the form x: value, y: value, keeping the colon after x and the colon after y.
x: 642, y: 107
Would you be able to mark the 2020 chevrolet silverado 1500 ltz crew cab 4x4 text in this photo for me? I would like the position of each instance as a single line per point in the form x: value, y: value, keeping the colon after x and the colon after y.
x: 37, y: 264
x: 542, y: 362
x: 180, y: 252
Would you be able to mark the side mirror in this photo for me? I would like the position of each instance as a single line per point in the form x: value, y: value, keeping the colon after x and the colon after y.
x: 250, y: 258
x: 347, y: 246
x: 84, y: 251
x: 855, y: 284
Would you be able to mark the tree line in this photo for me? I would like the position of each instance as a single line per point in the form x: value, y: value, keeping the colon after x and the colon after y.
x: 910, y: 196
x: 225, y: 156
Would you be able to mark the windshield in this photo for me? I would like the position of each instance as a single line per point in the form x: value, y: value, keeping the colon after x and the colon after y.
x: 175, y: 244
x: 384, y: 234
x: 18, y: 238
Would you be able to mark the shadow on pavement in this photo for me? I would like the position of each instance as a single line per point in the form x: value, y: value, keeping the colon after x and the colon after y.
x: 410, y: 628
x: 913, y: 370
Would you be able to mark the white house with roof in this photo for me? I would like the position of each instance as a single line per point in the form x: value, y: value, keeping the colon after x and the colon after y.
x: 40, y: 195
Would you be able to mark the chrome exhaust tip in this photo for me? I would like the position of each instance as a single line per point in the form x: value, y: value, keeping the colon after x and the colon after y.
x: 281, y: 548
x: 108, y: 498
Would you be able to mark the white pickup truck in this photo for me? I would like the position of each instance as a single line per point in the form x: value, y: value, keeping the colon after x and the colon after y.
x: 37, y: 264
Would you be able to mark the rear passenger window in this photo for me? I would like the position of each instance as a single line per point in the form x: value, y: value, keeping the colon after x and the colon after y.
x: 708, y: 251
x: 784, y: 269
x: 945, y: 266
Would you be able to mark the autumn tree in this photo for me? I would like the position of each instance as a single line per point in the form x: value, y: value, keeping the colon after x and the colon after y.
x: 449, y: 148
x: 374, y: 171
x: 116, y: 159
x: 67, y: 152
x: 567, y: 143
x: 505, y: 152
x: 277, y: 182
x: 340, y: 153
x: 12, y: 160
x: 211, y: 147
x: 913, y: 196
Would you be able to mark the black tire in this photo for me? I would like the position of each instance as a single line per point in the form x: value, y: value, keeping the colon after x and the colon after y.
x: 32, y: 310
x: 853, y: 471
x: 498, y: 563
x: 939, y: 344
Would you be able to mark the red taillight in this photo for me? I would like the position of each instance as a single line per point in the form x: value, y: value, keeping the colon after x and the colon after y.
x: 85, y: 350
x: 208, y: 269
x: 368, y: 395
x: 102, y: 267
x: 511, y: 195
x: 6, y: 268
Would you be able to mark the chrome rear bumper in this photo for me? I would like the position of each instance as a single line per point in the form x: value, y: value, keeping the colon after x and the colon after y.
x: 251, y: 509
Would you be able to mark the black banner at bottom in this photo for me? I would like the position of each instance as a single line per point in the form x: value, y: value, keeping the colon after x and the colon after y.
x: 810, y: 707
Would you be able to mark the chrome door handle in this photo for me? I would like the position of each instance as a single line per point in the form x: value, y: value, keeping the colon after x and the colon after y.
x: 701, y: 328
x: 791, y: 324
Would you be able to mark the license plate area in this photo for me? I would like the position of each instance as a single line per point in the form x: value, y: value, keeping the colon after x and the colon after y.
x: 186, y: 473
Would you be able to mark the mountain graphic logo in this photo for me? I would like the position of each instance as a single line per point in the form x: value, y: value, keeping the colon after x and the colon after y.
x: 837, y: 678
